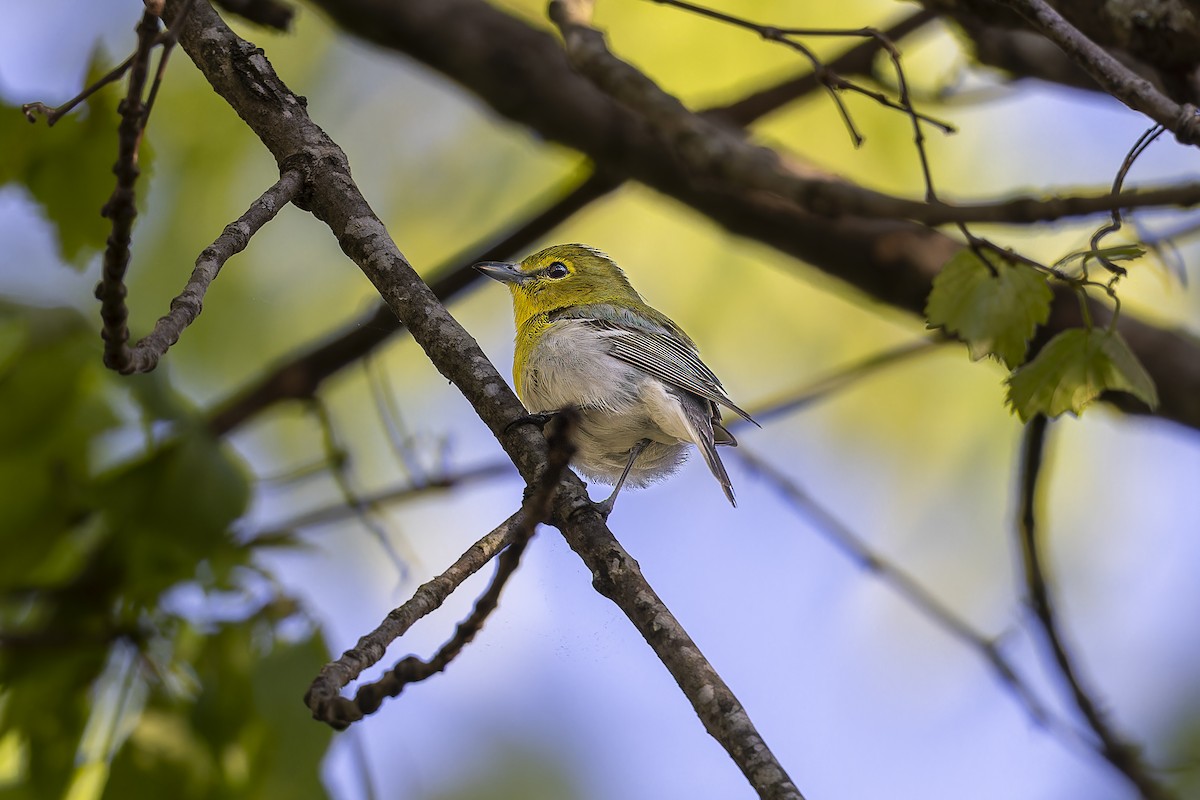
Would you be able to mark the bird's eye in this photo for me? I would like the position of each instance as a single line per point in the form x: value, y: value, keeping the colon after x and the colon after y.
x: 557, y: 270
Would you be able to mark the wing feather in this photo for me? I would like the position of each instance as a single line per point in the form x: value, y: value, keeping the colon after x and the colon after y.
x: 668, y: 358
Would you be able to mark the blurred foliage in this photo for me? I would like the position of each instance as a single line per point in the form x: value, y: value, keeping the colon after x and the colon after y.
x: 92, y: 551
x: 69, y: 172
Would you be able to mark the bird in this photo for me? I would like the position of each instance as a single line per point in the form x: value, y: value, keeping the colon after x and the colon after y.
x: 586, y: 340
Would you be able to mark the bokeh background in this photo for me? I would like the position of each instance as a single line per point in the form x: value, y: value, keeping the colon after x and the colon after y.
x: 858, y: 694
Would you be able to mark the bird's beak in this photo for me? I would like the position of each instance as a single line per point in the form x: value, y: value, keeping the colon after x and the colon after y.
x: 502, y: 271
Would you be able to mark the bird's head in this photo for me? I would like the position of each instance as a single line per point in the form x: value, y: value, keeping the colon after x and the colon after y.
x: 562, y: 276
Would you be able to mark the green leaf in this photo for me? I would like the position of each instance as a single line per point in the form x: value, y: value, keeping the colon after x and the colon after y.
x: 172, y: 510
x: 55, y: 406
x: 1073, y: 369
x: 995, y: 311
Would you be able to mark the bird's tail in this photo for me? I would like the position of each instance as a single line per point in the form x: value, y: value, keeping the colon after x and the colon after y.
x: 708, y: 449
x: 707, y: 432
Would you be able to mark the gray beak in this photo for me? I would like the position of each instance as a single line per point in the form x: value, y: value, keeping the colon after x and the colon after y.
x: 502, y: 271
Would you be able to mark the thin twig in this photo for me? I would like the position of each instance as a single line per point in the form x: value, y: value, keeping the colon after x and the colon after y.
x: 1122, y: 755
x: 850, y: 544
x: 393, y: 422
x: 55, y: 113
x: 339, y: 712
x: 121, y: 207
x: 827, y: 76
x: 430, y: 485
x: 841, y: 378
x: 301, y: 376
x: 856, y: 60
x: 145, y: 355
x: 1144, y: 141
x: 168, y: 40
x: 708, y: 150
x: 323, y: 697
x: 362, y: 508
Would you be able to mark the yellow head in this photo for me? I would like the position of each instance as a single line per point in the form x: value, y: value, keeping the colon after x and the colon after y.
x: 562, y: 276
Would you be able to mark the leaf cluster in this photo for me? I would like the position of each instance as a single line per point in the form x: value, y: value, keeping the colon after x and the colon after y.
x: 995, y: 304
x: 106, y: 519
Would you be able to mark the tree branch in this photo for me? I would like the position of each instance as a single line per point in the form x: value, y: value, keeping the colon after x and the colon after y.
x: 144, y: 356
x: 715, y: 153
x: 240, y: 73
x: 518, y: 529
x: 323, y: 696
x: 300, y: 376
x: 1122, y: 755
x: 121, y: 207
x: 1114, y: 77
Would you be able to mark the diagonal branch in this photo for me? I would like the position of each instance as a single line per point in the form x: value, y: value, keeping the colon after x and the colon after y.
x: 323, y: 697
x: 1124, y: 756
x: 300, y: 376
x: 913, y: 592
x: 1114, y: 77
x: 241, y: 74
x: 185, y: 308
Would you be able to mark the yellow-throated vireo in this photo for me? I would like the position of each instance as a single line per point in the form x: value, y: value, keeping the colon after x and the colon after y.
x: 586, y: 339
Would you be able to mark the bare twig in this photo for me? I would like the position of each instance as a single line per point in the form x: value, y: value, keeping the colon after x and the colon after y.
x: 843, y: 377
x: 1145, y: 140
x: 168, y: 40
x: 913, y: 592
x: 1114, y: 77
x: 363, y: 509
x: 185, y: 308
x: 339, y: 712
x: 323, y: 697
x: 393, y: 422
x: 301, y: 376
x: 121, y: 208
x: 857, y: 60
x: 824, y: 73
x: 712, y: 151
x: 430, y: 485
x: 55, y: 113
x: 1122, y: 755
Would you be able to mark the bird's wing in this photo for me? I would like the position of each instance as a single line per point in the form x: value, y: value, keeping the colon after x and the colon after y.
x: 668, y: 358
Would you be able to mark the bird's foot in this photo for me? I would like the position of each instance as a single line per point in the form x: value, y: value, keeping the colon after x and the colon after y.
x: 538, y: 420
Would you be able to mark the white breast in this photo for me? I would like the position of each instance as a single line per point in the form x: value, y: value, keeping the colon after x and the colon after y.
x: 570, y: 366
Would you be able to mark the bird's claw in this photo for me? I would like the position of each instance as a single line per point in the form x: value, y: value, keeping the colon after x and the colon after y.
x: 540, y: 420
